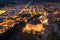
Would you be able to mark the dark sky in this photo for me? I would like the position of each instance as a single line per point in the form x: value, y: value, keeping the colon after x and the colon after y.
x: 26, y: 1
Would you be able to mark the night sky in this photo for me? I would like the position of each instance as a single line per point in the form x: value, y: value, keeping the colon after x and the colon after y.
x: 25, y: 1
